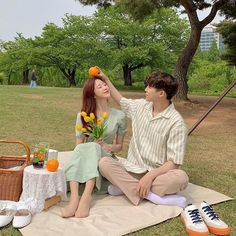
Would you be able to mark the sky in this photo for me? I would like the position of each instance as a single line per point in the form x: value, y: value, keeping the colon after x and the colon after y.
x: 30, y: 16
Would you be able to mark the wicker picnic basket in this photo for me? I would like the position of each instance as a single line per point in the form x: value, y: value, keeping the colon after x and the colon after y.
x: 11, y: 173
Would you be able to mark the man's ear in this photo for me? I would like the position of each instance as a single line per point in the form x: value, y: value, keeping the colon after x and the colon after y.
x: 162, y: 93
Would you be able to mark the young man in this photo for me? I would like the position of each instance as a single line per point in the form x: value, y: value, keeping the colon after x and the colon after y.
x: 156, y: 149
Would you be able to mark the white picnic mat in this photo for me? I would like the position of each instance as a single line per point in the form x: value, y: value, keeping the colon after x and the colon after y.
x: 113, y: 216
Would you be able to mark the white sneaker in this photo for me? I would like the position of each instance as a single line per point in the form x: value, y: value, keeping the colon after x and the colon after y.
x: 214, y: 224
x: 193, y: 221
x: 22, y: 217
x: 7, y: 211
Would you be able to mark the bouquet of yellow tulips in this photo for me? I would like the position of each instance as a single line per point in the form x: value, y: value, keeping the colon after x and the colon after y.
x: 95, y: 128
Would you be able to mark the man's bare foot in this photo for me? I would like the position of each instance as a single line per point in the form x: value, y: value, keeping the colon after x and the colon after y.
x: 83, y: 208
x: 70, y: 209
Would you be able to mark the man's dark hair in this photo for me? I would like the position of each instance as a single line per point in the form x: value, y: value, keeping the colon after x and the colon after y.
x: 165, y: 81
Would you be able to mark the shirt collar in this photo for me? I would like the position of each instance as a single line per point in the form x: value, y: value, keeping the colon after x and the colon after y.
x: 166, y: 113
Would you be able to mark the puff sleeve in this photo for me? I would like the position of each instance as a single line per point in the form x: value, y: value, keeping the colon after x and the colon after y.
x: 79, y: 134
x: 122, y: 125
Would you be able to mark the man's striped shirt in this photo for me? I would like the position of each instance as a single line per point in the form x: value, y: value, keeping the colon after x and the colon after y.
x: 155, y: 140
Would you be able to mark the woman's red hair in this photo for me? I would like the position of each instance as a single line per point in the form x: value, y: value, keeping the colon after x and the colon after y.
x: 88, y: 100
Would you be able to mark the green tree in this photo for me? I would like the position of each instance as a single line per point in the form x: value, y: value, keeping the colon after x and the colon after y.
x: 213, y: 54
x: 68, y: 48
x: 139, y: 9
x: 16, y: 56
x: 208, y: 73
x: 228, y: 31
x: 53, y: 49
x: 134, y: 44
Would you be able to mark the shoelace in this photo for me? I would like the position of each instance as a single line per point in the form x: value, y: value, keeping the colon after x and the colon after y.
x: 195, y: 216
x: 209, y: 211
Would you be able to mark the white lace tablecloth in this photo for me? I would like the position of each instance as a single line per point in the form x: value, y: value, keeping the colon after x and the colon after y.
x: 40, y: 184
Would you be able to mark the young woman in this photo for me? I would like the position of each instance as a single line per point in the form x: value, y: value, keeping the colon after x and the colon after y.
x: 83, y: 164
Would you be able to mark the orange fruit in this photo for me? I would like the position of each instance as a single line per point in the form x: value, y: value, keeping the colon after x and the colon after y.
x: 41, y: 156
x: 94, y: 71
x: 52, y: 165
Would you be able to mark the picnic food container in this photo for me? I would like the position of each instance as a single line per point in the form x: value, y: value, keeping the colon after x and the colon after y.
x: 11, y: 172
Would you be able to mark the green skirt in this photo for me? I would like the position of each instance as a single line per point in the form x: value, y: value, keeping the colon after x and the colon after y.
x: 83, y: 165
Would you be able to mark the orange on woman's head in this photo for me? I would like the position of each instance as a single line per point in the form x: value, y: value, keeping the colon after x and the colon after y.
x: 94, y: 71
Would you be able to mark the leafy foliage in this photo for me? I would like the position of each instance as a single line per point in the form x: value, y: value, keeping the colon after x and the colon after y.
x: 209, y: 74
x: 140, y: 9
x: 228, y: 31
x: 16, y: 56
x: 110, y: 39
x: 154, y: 42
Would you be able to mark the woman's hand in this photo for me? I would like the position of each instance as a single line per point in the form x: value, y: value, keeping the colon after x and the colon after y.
x: 99, y: 141
x: 105, y: 146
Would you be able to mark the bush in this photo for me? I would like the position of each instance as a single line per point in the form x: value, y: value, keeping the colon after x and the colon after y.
x: 210, y: 78
x: 2, y: 77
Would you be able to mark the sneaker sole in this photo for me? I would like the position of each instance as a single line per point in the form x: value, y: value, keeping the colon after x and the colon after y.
x: 193, y: 233
x: 217, y: 231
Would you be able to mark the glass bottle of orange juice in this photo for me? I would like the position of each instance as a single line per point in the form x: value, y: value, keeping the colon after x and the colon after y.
x: 40, y: 155
x: 38, y: 158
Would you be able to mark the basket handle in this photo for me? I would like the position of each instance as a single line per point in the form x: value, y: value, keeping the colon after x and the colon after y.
x: 26, y: 147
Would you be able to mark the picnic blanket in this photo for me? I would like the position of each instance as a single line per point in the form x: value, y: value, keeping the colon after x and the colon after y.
x: 113, y: 216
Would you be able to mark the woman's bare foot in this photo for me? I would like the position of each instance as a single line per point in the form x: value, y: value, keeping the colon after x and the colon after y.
x: 83, y: 208
x: 70, y: 209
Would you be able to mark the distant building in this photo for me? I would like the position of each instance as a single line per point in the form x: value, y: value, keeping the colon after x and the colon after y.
x: 209, y: 35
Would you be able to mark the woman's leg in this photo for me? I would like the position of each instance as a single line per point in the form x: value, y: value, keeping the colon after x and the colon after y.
x: 70, y: 210
x: 84, y: 204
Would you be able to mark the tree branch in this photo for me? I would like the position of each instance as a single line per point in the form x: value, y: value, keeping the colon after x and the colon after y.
x: 136, y: 67
x: 191, y: 10
x: 215, y: 8
x: 188, y: 5
x: 64, y: 72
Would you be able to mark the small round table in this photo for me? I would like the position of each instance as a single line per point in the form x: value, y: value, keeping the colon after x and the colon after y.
x: 40, y: 184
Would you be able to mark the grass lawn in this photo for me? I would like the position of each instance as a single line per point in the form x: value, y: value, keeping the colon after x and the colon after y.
x: 48, y: 114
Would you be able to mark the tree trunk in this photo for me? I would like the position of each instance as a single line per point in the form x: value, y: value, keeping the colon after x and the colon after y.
x: 186, y: 57
x: 9, y: 78
x: 25, y: 78
x: 70, y: 76
x: 127, y: 75
x: 184, y: 61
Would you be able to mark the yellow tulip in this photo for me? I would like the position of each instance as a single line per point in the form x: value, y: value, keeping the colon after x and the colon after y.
x: 92, y: 116
x: 104, y: 115
x: 87, y: 119
x: 83, y: 113
x: 78, y: 127
x: 84, y: 130
x: 99, y: 122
